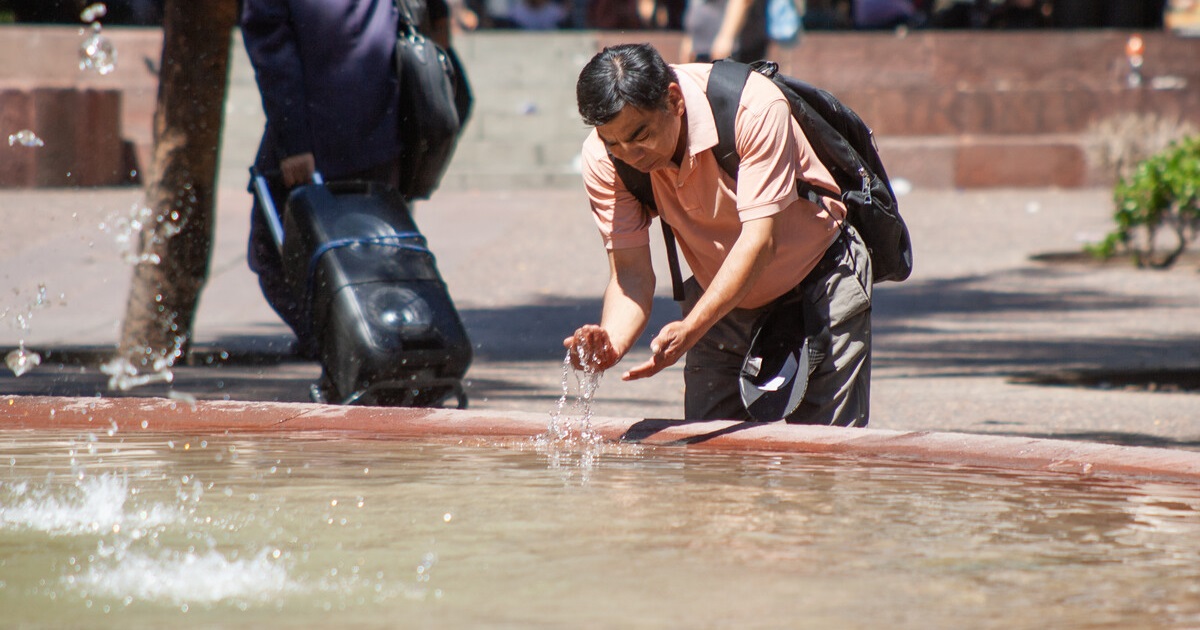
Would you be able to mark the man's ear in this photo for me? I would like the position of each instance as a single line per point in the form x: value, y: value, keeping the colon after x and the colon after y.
x: 675, y: 99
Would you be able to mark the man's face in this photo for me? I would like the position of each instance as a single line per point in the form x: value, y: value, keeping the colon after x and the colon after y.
x: 647, y: 139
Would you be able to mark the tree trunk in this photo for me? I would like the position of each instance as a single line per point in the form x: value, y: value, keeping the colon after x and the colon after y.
x: 176, y: 241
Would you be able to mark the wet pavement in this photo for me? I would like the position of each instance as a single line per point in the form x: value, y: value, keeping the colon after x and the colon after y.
x: 961, y: 346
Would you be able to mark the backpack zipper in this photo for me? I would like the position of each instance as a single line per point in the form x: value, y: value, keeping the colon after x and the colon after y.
x: 866, y: 184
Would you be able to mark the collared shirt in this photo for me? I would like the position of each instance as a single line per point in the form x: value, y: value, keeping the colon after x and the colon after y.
x: 706, y: 208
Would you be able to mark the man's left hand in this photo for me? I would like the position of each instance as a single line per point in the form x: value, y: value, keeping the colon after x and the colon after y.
x: 668, y: 347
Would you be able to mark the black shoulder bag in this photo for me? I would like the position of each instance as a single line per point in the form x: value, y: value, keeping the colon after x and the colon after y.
x: 435, y: 102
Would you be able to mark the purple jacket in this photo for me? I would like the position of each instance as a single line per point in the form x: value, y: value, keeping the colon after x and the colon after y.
x: 327, y: 79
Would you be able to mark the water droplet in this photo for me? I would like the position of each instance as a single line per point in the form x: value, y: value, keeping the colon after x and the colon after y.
x: 98, y: 53
x: 93, y: 12
x: 21, y: 361
x: 25, y: 138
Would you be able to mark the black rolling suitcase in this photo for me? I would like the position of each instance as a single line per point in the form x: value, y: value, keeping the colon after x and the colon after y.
x: 387, y: 329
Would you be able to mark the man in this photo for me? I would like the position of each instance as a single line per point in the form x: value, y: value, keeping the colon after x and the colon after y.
x: 325, y: 69
x: 753, y: 244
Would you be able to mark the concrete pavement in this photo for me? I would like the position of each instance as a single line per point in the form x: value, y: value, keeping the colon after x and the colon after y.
x: 953, y: 344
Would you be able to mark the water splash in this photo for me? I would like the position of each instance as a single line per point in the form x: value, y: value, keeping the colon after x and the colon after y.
x: 137, y: 233
x: 97, y: 52
x: 566, y: 426
x: 121, y: 568
x: 40, y: 301
x: 184, y: 577
x: 152, y: 366
x: 91, y: 505
x: 126, y: 230
x: 21, y: 361
x: 570, y: 443
x: 25, y: 138
x: 124, y: 375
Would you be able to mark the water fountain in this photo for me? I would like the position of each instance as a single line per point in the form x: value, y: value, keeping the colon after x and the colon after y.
x: 132, y: 512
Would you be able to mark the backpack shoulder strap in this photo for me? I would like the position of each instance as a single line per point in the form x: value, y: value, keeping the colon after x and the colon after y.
x: 724, y: 91
x: 638, y: 183
x: 725, y: 86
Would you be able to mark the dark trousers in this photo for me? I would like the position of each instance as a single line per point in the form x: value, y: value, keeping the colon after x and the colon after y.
x: 838, y: 390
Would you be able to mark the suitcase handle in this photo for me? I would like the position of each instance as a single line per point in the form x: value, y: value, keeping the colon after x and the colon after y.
x: 266, y: 203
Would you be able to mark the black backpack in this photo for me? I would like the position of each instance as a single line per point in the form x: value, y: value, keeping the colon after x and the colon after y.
x: 843, y: 143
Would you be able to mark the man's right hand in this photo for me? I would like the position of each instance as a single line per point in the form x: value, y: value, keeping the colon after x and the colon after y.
x: 298, y: 169
x: 591, y: 350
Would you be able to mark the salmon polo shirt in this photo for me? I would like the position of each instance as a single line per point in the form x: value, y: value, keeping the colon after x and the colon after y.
x: 705, y: 207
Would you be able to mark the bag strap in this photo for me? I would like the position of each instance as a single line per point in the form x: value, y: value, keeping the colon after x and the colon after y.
x: 638, y: 183
x: 724, y: 93
x: 405, y: 17
x: 725, y: 85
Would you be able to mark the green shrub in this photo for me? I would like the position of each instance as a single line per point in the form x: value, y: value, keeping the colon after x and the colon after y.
x: 1162, y: 195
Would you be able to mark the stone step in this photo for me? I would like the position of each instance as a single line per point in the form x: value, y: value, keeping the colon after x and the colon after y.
x: 951, y: 109
x: 985, y: 60
x: 1007, y: 161
x: 920, y: 111
x: 79, y: 135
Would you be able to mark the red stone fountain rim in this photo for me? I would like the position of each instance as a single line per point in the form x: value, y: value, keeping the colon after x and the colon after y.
x: 130, y: 415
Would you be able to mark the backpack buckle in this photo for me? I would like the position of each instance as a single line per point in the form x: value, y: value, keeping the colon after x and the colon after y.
x: 766, y: 68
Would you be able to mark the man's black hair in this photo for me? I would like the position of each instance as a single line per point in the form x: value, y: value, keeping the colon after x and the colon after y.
x: 627, y: 74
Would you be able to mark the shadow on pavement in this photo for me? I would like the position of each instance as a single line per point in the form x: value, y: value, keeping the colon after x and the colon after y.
x: 1153, y: 380
x: 986, y: 336
x: 263, y: 368
x: 260, y: 368
x: 535, y: 332
x: 969, y: 295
